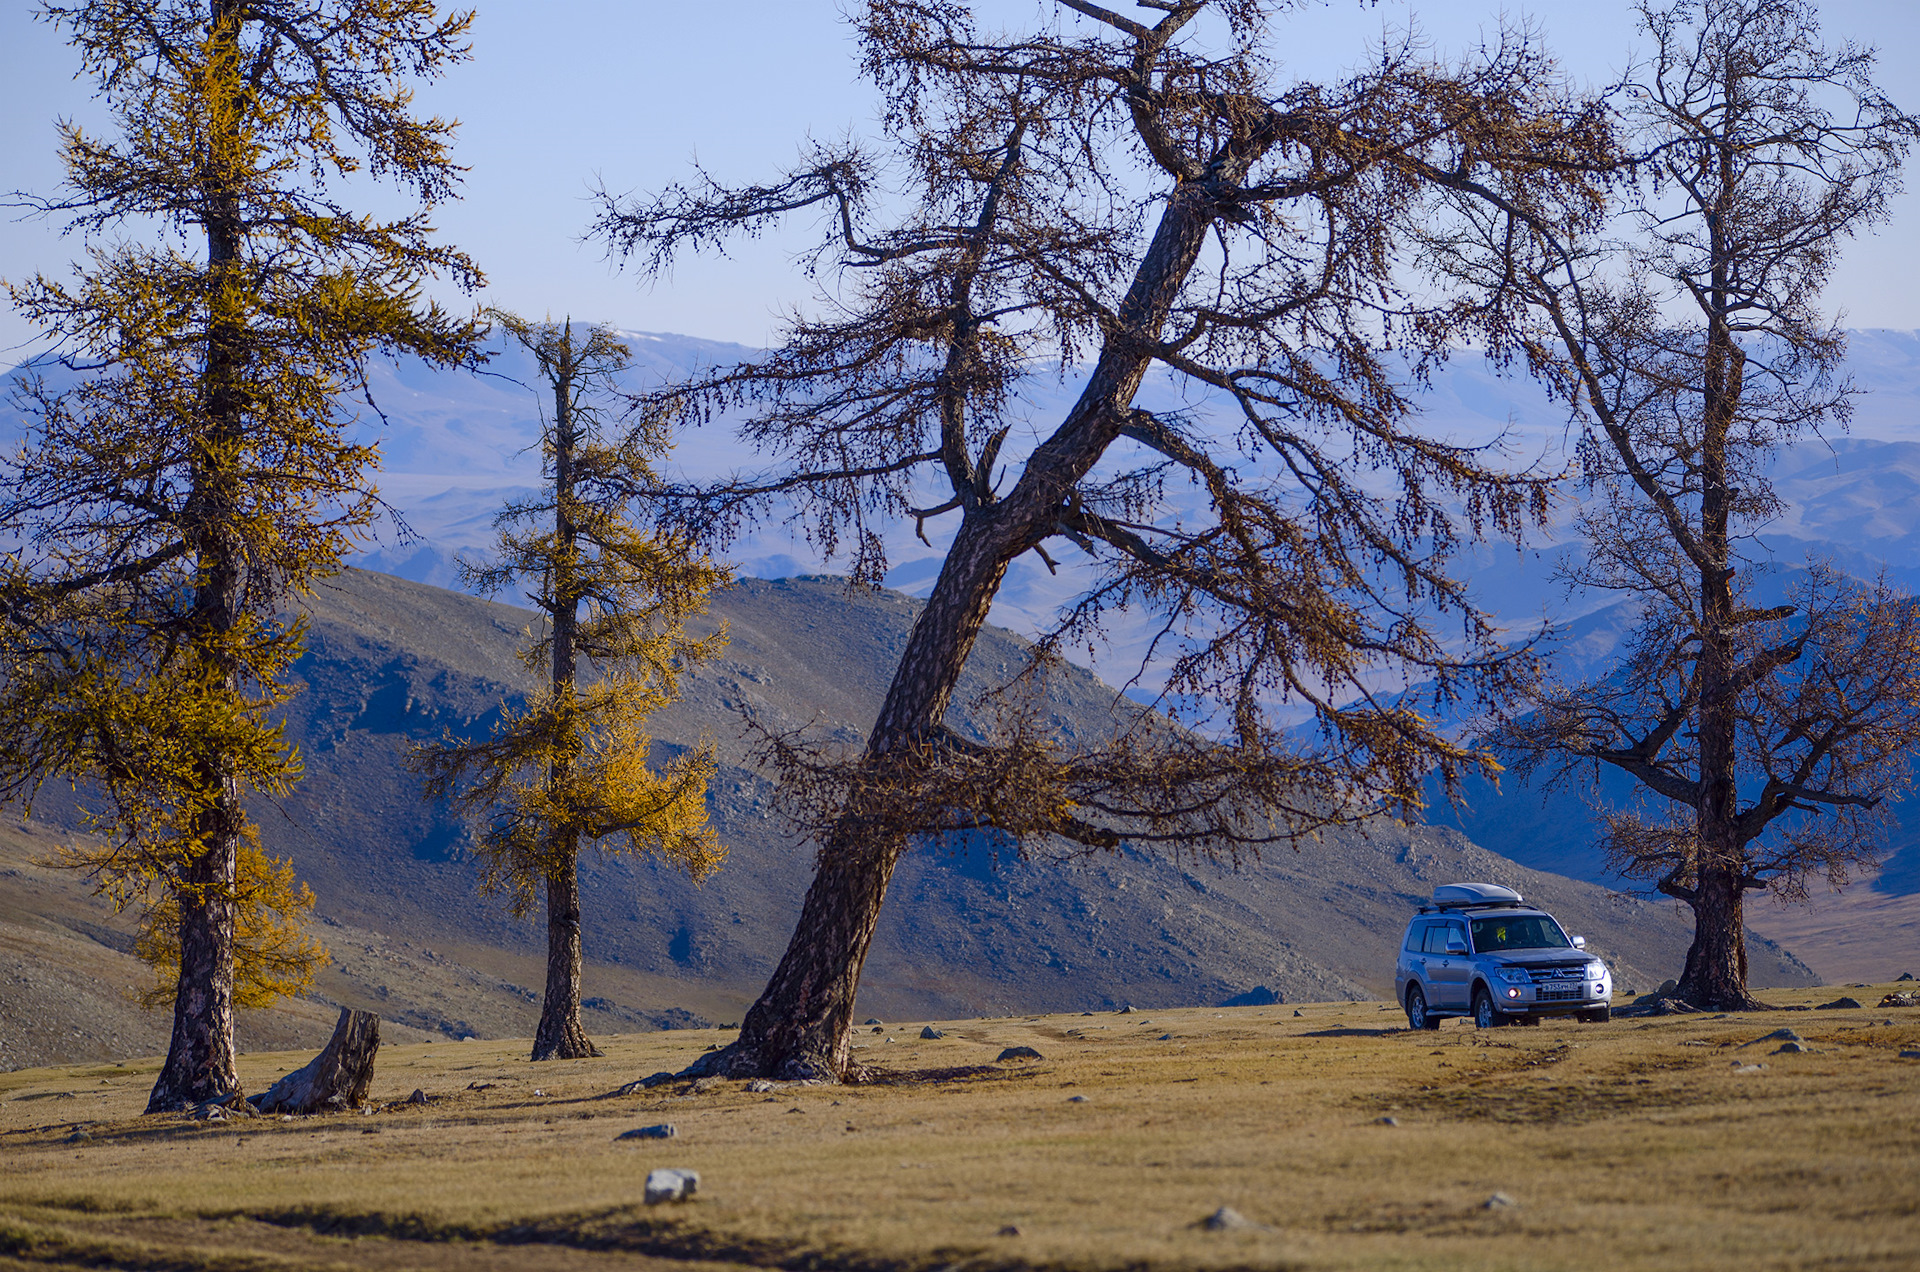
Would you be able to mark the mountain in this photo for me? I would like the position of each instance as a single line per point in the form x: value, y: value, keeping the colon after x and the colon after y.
x: 455, y: 444
x: 392, y: 663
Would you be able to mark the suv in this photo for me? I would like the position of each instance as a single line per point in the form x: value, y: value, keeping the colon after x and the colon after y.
x: 1478, y: 950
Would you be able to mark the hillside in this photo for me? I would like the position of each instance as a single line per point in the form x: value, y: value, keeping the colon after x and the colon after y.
x: 393, y: 663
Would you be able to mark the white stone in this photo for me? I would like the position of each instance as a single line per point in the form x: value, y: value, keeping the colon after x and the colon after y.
x: 671, y: 1185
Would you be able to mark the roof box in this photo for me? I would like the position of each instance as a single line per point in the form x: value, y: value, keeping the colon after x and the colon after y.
x: 1457, y: 895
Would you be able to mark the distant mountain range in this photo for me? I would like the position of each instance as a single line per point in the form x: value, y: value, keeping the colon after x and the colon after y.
x: 458, y: 443
x: 455, y: 444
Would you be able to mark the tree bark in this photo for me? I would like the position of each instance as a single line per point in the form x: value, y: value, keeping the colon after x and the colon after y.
x: 200, y: 1058
x: 336, y: 1079
x: 560, y: 1036
x: 1715, y: 978
x: 800, y: 1027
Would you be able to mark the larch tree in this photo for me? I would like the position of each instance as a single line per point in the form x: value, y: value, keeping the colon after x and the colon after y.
x: 1687, y: 337
x: 1119, y: 199
x: 197, y: 464
x: 571, y: 767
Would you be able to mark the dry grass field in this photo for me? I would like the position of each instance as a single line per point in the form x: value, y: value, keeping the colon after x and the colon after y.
x: 1647, y: 1143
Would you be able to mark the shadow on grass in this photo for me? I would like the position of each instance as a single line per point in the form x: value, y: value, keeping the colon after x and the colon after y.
x: 669, y: 1232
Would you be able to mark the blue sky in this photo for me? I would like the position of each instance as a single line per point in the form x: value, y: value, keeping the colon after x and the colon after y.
x: 559, y: 95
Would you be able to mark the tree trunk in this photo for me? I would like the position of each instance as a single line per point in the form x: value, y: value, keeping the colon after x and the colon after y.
x: 336, y: 1079
x: 200, y: 1061
x: 560, y: 1036
x: 801, y: 1025
x: 1716, y: 974
x: 1716, y: 971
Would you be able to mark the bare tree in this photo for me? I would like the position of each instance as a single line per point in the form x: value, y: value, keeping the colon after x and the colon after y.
x: 1688, y: 340
x: 1128, y: 198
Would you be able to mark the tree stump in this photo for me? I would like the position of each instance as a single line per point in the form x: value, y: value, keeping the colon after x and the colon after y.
x: 337, y: 1078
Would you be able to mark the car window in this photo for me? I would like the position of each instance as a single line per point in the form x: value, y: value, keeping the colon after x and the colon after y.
x: 1519, y: 932
x: 1438, y: 933
x: 1416, y: 933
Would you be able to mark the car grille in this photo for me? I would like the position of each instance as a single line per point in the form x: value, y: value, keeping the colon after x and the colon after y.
x: 1557, y: 993
x: 1554, y: 975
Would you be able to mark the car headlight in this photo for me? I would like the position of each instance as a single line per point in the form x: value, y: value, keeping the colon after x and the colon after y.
x: 1597, y: 971
x: 1513, y: 975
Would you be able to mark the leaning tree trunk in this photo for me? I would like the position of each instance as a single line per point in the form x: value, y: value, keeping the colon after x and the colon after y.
x: 560, y: 1036
x: 800, y: 1027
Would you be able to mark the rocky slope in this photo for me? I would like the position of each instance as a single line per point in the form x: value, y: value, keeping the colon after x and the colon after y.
x: 393, y: 663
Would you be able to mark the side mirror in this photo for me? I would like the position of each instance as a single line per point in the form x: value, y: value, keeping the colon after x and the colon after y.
x: 1456, y: 946
x: 1579, y: 942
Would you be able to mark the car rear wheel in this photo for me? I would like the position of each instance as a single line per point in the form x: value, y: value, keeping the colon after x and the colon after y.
x: 1418, y: 1017
x: 1484, y: 1015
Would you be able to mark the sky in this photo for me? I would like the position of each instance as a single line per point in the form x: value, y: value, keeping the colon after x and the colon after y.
x: 562, y: 97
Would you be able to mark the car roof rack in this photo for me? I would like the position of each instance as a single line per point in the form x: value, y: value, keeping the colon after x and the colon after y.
x: 1473, y: 896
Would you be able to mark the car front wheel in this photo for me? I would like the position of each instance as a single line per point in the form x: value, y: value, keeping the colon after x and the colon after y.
x: 1418, y: 1017
x: 1484, y: 1016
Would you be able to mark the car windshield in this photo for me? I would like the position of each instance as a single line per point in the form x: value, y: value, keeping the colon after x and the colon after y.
x: 1519, y: 932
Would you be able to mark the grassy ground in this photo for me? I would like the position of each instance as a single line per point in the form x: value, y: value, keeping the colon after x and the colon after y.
x: 1635, y: 1144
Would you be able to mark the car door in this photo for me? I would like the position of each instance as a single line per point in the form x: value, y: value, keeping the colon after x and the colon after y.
x: 1411, y: 967
x: 1447, y: 973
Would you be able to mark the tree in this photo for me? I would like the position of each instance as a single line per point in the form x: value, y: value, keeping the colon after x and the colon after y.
x: 1127, y: 198
x: 1762, y: 735
x: 202, y: 468
x: 572, y: 764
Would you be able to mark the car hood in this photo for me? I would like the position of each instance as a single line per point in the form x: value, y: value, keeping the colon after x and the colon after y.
x: 1544, y: 958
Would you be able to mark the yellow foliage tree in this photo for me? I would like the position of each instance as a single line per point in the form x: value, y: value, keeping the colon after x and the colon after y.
x: 189, y: 467
x: 572, y: 765
x: 273, y: 955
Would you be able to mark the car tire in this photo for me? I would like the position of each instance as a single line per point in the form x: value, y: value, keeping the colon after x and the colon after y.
x: 1484, y: 1014
x: 1597, y: 1016
x: 1418, y: 1017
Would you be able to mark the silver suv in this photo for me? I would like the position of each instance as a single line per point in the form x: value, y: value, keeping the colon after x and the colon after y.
x: 1479, y: 950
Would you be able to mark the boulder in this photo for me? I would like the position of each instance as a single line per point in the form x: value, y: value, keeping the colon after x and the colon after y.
x: 1258, y: 996
x: 671, y: 1185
